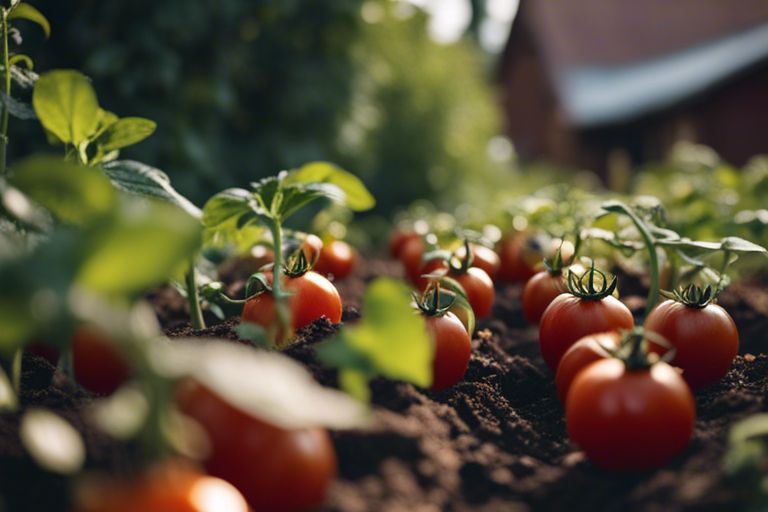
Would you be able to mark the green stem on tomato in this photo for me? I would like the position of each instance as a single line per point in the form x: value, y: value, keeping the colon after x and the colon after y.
x: 195, y: 311
x: 723, y: 268
x: 7, y: 91
x: 653, y: 259
x: 281, y: 308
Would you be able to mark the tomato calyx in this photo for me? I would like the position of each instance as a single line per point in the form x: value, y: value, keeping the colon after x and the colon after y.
x: 633, y: 349
x: 435, y: 301
x: 692, y: 295
x: 555, y: 265
x: 458, y: 264
x: 297, y: 264
x: 584, y: 287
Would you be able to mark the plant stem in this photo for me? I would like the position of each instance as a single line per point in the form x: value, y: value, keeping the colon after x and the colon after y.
x: 195, y: 312
x: 277, y: 274
x: 653, y: 260
x: 7, y: 91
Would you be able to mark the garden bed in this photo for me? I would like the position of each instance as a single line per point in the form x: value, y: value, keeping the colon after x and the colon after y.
x: 495, y: 441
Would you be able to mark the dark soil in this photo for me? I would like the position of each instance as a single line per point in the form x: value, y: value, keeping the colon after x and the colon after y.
x: 493, y: 442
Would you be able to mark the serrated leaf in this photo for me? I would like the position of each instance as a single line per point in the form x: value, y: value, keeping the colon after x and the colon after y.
x: 144, y: 180
x: 267, y: 385
x: 72, y: 193
x: 51, y: 441
x: 141, y: 248
x: 125, y: 132
x: 29, y: 13
x: 390, y: 340
x: 66, y: 105
x: 351, y: 191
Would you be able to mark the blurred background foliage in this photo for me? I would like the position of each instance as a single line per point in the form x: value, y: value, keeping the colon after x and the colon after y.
x: 243, y: 88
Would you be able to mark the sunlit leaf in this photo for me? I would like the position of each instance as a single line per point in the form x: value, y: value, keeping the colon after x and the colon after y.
x: 29, y: 13
x: 125, y: 132
x: 51, y: 441
x: 736, y: 244
x: 352, y: 191
x: 72, y: 193
x: 264, y: 384
x: 138, y: 178
x: 66, y: 105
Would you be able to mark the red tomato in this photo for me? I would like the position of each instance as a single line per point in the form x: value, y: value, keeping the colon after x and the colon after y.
x: 98, y: 365
x: 581, y: 354
x: 482, y: 257
x: 452, y: 350
x: 705, y: 339
x: 569, y: 318
x: 312, y: 297
x: 539, y: 292
x: 479, y: 289
x: 337, y: 260
x: 513, y: 264
x: 276, y: 469
x: 629, y: 420
x: 170, y: 487
x: 410, y: 256
x: 398, y: 241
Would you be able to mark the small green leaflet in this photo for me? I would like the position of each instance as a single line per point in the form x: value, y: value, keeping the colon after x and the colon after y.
x: 29, y: 13
x: 353, y: 192
x: 66, y: 105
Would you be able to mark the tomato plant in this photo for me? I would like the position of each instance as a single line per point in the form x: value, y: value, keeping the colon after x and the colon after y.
x: 630, y: 415
x: 584, y: 310
x: 98, y: 365
x: 337, y: 259
x: 311, y: 297
x: 703, y: 335
x: 276, y: 469
x: 580, y: 355
x: 166, y: 487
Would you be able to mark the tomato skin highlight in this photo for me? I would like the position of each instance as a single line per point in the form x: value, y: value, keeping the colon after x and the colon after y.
x: 453, y: 349
x: 706, y: 340
x: 479, y: 289
x: 337, y: 260
x: 539, y: 292
x: 629, y: 420
x: 569, y: 318
x: 581, y: 354
x: 98, y: 365
x: 513, y: 267
x: 276, y: 469
x: 313, y: 297
x: 169, y: 487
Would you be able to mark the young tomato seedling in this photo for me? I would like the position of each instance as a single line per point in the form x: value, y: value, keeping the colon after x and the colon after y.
x: 703, y: 335
x: 585, y: 310
x: 630, y: 413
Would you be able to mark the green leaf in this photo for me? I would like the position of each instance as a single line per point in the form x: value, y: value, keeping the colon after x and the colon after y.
x: 142, y: 247
x: 355, y: 383
x: 125, y: 132
x: 20, y: 57
x: 66, y: 105
x: 29, y: 13
x: 736, y: 244
x: 227, y: 205
x: 350, y: 190
x: 138, y: 178
x: 391, y: 339
x: 72, y: 193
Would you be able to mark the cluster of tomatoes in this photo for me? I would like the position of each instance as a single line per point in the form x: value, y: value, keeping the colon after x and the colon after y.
x: 626, y: 407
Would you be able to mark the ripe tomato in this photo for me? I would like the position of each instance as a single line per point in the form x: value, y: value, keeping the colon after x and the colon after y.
x: 410, y: 256
x: 479, y: 289
x: 312, y: 297
x: 337, y: 260
x: 169, y: 487
x: 581, y: 354
x: 569, y: 318
x: 452, y: 350
x: 705, y: 339
x: 482, y: 257
x: 629, y: 420
x: 276, y: 469
x: 398, y: 240
x: 98, y: 365
x: 514, y: 264
x: 539, y: 292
